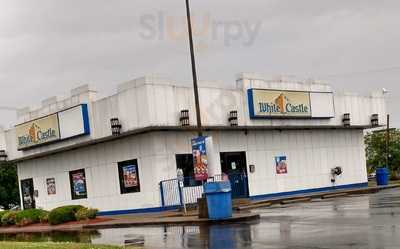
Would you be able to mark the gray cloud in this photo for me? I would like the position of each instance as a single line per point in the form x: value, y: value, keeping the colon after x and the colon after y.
x: 48, y: 47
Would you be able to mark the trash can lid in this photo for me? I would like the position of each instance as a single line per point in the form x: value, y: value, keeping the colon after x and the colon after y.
x: 217, y: 187
x: 382, y: 170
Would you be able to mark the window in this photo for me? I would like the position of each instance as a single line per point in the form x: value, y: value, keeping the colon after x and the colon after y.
x: 129, y: 176
x: 27, y: 190
x: 78, y: 184
x: 185, y: 162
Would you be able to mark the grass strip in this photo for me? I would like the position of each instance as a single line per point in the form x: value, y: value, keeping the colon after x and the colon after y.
x: 51, y: 245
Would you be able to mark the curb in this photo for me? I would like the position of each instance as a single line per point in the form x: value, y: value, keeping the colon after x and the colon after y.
x: 249, y: 206
x: 330, y: 196
x: 239, y: 217
x: 303, y: 199
x: 194, y: 221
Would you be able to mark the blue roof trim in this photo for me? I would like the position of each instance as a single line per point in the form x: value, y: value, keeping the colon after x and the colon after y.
x: 85, y: 117
x: 136, y: 211
x: 251, y: 103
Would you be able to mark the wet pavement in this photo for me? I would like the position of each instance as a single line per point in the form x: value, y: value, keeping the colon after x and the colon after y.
x: 356, y: 222
x: 368, y: 221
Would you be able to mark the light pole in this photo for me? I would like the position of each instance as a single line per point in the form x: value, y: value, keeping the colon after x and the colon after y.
x: 387, y: 135
x: 387, y: 140
x: 194, y: 73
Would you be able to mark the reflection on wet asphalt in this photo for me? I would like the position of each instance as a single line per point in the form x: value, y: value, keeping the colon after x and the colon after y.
x: 369, y: 221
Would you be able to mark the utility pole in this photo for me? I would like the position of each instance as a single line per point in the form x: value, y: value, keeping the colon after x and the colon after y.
x: 194, y: 73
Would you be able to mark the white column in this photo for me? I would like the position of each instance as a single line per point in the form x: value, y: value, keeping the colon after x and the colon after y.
x: 214, y: 162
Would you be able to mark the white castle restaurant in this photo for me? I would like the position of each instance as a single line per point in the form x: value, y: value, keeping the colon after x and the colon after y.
x: 121, y: 154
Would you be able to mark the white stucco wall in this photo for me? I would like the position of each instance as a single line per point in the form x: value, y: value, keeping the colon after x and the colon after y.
x: 310, y: 157
x: 101, y: 169
x: 311, y: 154
x: 153, y: 102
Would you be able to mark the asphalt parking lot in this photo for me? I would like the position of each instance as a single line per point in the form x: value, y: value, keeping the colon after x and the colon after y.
x: 356, y: 222
x: 368, y: 221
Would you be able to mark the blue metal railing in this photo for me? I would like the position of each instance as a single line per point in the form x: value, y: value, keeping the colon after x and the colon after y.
x: 172, y: 195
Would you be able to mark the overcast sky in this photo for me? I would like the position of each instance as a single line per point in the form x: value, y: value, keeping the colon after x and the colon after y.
x: 48, y: 47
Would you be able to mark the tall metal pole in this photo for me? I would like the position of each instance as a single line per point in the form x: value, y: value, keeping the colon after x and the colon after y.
x: 194, y: 73
x: 387, y: 140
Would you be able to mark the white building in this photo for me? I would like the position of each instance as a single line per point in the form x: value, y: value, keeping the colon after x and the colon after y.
x: 288, y: 137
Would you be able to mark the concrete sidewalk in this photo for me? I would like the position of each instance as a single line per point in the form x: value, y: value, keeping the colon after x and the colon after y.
x: 172, y: 220
x: 316, y: 195
x: 130, y: 221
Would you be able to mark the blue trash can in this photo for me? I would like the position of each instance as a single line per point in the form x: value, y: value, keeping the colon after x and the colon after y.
x: 219, y: 200
x: 382, y: 176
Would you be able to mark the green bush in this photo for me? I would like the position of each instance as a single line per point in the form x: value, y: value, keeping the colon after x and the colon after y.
x: 44, y: 218
x: 92, y: 213
x: 29, y: 216
x: 9, y: 218
x: 86, y: 214
x: 56, y: 216
x: 63, y: 214
x: 1, y: 214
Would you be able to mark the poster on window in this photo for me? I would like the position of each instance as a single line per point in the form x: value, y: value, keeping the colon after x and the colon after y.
x: 281, y: 165
x: 200, y: 161
x: 128, y: 172
x: 79, y: 183
x: 130, y: 176
x: 51, y: 186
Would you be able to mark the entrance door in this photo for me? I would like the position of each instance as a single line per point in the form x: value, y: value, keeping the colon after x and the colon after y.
x: 27, y: 190
x: 234, y: 165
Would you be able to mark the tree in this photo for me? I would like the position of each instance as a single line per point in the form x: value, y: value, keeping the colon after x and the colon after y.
x: 376, y: 150
x: 9, y: 193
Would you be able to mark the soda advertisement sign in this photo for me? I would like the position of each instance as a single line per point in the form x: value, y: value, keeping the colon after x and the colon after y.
x: 200, y: 160
x: 37, y: 132
x: 275, y: 103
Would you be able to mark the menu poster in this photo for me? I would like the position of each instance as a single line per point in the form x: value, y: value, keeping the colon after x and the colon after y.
x: 130, y: 176
x: 78, y: 184
x: 51, y: 186
x: 129, y: 181
x: 200, y: 160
